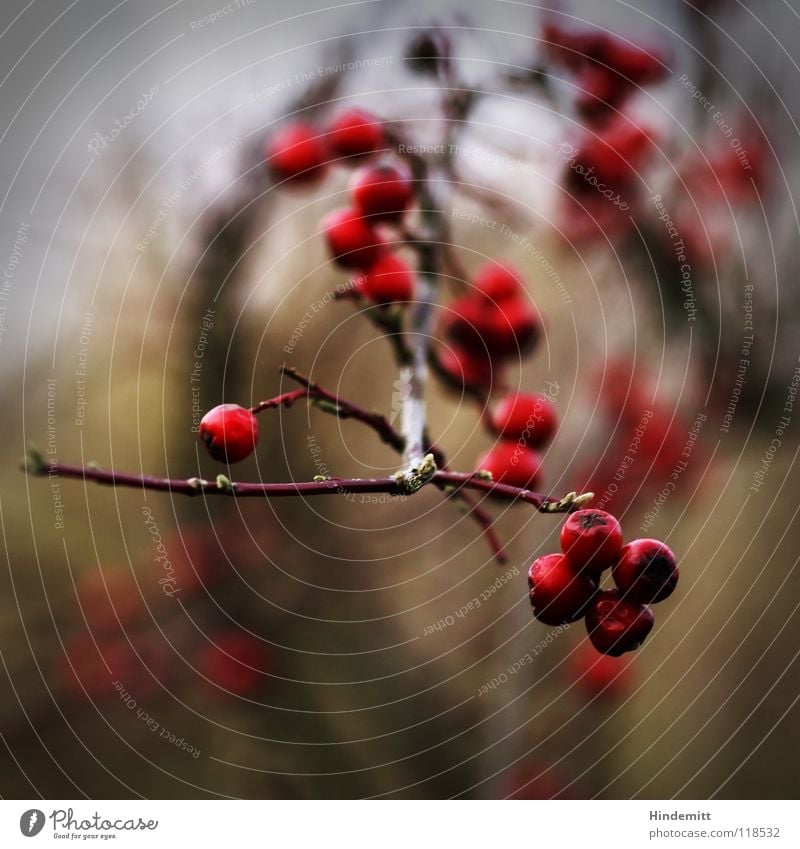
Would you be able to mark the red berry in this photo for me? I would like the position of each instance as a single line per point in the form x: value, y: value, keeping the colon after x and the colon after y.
x: 382, y: 191
x: 498, y: 282
x: 529, y: 418
x: 558, y: 595
x: 230, y: 433
x: 592, y: 540
x: 616, y: 625
x: 388, y: 281
x: 235, y: 661
x: 646, y: 571
x: 297, y: 152
x: 464, y: 370
x: 355, y: 133
x: 512, y: 464
x: 499, y: 330
x: 351, y: 240
x: 600, y: 675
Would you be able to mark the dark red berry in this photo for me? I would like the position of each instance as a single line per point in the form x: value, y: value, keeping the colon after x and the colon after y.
x: 498, y: 282
x: 229, y: 432
x: 512, y: 464
x: 499, y: 329
x: 592, y: 540
x: 355, y: 133
x: 352, y: 241
x: 558, y: 595
x: 464, y: 370
x: 528, y: 418
x: 646, y: 571
x: 616, y: 625
x: 382, y: 191
x: 235, y: 661
x: 297, y: 152
x: 389, y: 280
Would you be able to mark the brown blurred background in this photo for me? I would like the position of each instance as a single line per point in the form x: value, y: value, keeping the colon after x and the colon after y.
x: 296, y: 654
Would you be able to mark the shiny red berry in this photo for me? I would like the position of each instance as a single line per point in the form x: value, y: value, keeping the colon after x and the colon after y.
x: 355, y: 133
x: 297, y: 152
x: 352, y: 241
x: 498, y: 282
x: 526, y: 417
x: 382, y: 191
x: 389, y: 280
x: 600, y: 675
x: 617, y: 625
x: 646, y: 571
x: 512, y: 464
x: 558, y: 595
x: 229, y: 432
x: 592, y: 540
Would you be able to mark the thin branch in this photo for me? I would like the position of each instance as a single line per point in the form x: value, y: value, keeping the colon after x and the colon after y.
x: 35, y: 465
x: 332, y: 403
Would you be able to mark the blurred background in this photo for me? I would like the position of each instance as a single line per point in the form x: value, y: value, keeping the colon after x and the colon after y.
x: 170, y: 647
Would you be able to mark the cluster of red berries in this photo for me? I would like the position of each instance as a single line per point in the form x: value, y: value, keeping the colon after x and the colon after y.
x: 606, y: 69
x: 380, y: 194
x: 565, y: 587
x: 492, y: 325
x: 524, y: 424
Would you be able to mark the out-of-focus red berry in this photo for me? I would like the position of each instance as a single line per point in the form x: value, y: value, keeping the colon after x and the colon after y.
x: 512, y: 464
x: 297, y: 152
x: 389, y: 280
x: 498, y: 281
x: 382, y: 191
x: 600, y: 675
x: 355, y: 133
x: 526, y: 417
x: 352, y: 240
x: 234, y: 661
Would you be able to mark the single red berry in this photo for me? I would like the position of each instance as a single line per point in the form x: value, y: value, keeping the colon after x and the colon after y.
x: 499, y: 330
x: 464, y: 370
x: 235, y: 661
x: 615, y: 624
x: 646, y: 571
x: 389, y: 280
x: 600, y: 675
x: 230, y: 432
x: 558, y: 595
x: 297, y: 152
x: 355, y: 133
x: 512, y: 464
x: 592, y: 540
x: 498, y: 281
x: 528, y: 418
x: 382, y: 191
x: 352, y: 241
